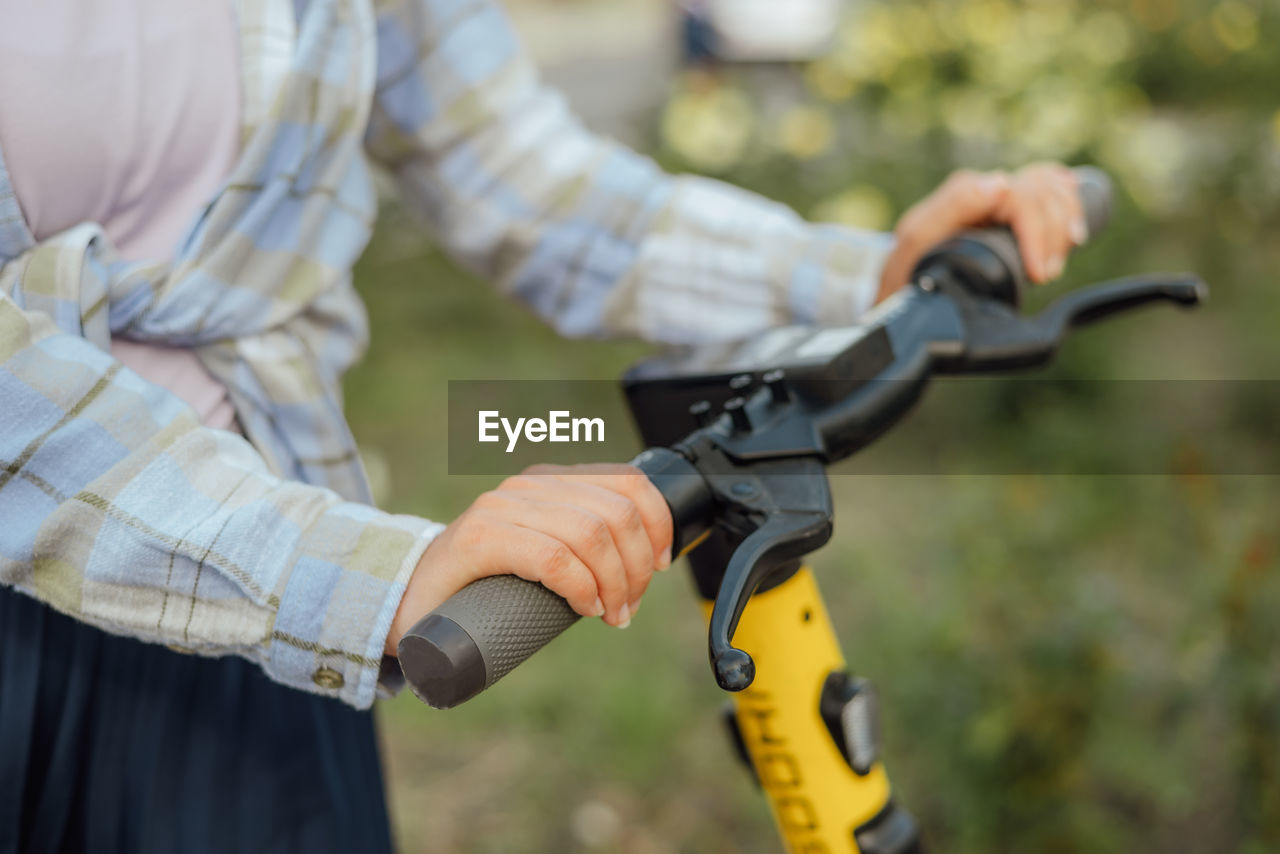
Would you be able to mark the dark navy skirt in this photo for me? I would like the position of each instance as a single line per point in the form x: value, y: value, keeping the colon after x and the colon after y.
x: 108, y: 744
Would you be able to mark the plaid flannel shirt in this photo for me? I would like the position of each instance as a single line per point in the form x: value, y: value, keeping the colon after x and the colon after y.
x: 119, y: 508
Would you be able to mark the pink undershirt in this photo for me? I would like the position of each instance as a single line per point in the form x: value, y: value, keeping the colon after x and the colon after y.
x: 126, y: 114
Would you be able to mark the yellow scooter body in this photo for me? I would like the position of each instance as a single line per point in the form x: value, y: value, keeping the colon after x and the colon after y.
x: 817, y: 799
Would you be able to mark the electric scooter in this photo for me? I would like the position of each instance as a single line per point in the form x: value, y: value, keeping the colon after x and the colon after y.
x: 740, y: 438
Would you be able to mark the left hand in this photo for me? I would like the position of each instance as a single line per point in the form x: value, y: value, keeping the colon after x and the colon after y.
x: 1040, y: 202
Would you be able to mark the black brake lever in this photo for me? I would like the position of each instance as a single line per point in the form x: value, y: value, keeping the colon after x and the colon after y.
x: 997, y: 337
x: 1084, y: 306
x: 783, y: 537
x: 778, y: 510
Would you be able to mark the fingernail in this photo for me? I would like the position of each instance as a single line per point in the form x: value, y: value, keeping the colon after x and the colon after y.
x: 624, y: 617
x: 1079, y: 232
x: 599, y: 609
x: 664, y: 560
x: 1056, y: 266
x: 635, y: 607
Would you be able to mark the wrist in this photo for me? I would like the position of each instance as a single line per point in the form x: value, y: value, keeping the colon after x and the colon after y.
x: 424, y: 592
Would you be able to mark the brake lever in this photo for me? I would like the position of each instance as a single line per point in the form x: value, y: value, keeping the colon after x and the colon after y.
x: 782, y: 510
x: 997, y: 337
x: 1087, y: 305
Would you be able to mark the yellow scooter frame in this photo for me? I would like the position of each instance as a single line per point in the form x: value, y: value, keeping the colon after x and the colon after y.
x: 820, y: 802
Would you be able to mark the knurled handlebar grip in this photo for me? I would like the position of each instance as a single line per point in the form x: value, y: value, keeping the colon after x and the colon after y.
x: 1095, y: 195
x: 478, y: 636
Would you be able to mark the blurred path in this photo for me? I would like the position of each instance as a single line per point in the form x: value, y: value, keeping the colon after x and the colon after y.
x: 612, y: 58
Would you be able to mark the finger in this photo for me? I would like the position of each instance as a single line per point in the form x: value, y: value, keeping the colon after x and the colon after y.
x: 583, y: 531
x: 1054, y: 190
x: 631, y: 483
x: 619, y: 512
x: 1026, y: 216
x: 655, y: 516
x: 1070, y: 188
x: 626, y: 523
x: 510, y: 549
x: 1060, y: 213
x: 1066, y: 194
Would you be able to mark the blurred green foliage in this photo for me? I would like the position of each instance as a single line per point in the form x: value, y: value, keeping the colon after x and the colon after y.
x: 1067, y: 663
x: 1175, y: 98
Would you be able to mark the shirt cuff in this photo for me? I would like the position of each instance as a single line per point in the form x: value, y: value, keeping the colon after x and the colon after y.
x: 838, y: 276
x: 350, y: 573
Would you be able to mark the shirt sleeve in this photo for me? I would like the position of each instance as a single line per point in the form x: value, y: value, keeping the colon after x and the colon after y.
x: 122, y: 511
x: 595, y: 238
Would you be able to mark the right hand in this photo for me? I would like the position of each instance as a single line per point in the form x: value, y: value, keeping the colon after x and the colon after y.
x: 592, y: 533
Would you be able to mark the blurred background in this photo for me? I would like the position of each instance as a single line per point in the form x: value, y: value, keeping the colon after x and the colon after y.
x: 1067, y: 663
